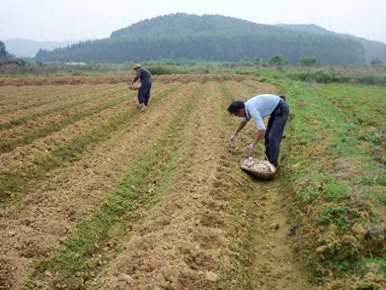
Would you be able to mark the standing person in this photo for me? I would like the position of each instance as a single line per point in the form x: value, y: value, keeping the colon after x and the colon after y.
x: 258, y: 108
x: 144, y: 91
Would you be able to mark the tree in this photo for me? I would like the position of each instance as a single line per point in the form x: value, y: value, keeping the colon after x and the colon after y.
x: 376, y: 62
x: 276, y: 60
x: 3, y: 52
x: 308, y: 61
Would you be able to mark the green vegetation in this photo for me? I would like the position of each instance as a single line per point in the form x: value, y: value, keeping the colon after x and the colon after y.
x: 4, y: 55
x: 276, y: 60
x: 308, y: 61
x: 336, y: 167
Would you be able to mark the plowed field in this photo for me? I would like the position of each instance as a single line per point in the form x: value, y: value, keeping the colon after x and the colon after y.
x: 96, y: 195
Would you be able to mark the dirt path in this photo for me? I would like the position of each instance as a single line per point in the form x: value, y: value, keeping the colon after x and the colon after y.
x: 266, y: 247
x: 262, y: 252
x: 176, y: 244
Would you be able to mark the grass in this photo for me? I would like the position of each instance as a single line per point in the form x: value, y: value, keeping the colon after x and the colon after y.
x: 15, y: 182
x: 336, y: 169
x: 120, y: 206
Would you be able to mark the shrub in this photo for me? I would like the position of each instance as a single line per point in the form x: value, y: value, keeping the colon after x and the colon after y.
x: 308, y: 61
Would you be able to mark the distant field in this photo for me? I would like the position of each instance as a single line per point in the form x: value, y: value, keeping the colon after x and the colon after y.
x: 96, y: 195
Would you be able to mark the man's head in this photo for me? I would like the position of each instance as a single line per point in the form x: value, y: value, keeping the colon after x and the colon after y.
x: 136, y: 66
x: 237, y: 108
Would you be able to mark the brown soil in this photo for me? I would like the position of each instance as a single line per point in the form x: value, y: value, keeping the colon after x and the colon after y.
x: 48, y: 214
x: 60, y: 81
x: 25, y: 154
x: 32, y: 97
x: 183, y: 242
x: 259, y: 226
x: 115, y: 79
x: 50, y: 118
x: 214, y: 227
x: 177, y: 244
x: 56, y: 101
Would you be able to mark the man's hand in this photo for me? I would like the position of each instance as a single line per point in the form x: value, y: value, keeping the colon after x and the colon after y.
x: 249, y: 148
x: 232, y: 139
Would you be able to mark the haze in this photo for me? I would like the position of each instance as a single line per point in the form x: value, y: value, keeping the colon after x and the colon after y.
x: 89, y: 19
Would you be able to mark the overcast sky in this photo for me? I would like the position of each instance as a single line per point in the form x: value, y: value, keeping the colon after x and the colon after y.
x: 85, y: 19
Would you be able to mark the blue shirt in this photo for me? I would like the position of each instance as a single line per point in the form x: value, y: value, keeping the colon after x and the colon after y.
x: 259, y: 107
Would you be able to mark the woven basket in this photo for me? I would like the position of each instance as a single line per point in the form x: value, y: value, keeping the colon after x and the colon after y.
x: 262, y: 169
x: 135, y: 86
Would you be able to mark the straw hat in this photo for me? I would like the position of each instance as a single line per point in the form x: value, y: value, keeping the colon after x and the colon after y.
x: 136, y: 66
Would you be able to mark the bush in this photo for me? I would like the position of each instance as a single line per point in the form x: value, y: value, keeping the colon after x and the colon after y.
x: 160, y: 70
x: 168, y: 69
x: 276, y: 60
x: 320, y: 76
x: 308, y: 61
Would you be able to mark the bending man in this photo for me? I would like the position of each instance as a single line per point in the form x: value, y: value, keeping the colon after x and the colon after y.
x: 258, y: 108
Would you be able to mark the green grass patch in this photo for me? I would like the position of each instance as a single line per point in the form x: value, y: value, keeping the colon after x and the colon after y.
x: 336, y: 215
x: 336, y: 191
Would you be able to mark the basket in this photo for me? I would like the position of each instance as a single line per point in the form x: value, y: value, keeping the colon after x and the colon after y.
x: 135, y: 86
x: 262, y: 169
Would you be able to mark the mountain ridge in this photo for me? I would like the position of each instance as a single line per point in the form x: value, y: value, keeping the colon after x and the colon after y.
x: 217, y: 38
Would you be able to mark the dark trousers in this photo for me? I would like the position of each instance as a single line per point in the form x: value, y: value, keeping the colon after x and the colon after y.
x: 144, y: 93
x: 274, y: 132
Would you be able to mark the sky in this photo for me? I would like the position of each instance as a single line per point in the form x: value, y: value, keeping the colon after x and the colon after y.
x: 59, y: 20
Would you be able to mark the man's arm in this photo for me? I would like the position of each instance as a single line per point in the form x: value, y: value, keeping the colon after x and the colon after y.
x: 239, y: 128
x: 260, y: 132
x: 136, y: 77
x: 259, y: 135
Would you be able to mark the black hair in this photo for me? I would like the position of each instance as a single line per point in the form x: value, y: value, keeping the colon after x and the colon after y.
x: 235, y: 106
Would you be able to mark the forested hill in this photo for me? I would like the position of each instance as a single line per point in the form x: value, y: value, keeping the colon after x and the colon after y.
x: 210, y: 38
x: 373, y: 49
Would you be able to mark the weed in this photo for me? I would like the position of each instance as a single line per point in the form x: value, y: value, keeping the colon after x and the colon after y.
x: 335, y: 191
x: 336, y: 215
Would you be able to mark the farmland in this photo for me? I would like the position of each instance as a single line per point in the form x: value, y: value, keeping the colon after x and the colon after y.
x: 96, y: 195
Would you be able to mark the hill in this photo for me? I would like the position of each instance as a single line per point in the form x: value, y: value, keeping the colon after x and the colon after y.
x: 210, y: 38
x: 29, y: 48
x: 373, y: 49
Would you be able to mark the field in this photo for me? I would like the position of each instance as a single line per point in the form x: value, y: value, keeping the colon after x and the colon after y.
x: 96, y: 195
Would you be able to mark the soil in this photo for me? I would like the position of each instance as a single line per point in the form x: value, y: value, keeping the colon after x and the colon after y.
x: 213, y: 227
